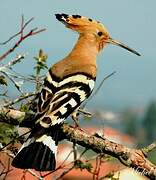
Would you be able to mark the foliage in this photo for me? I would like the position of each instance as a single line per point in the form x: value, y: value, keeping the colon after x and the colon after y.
x: 81, y: 165
x: 41, y: 59
x: 24, y: 108
x: 111, y: 176
x: 7, y: 133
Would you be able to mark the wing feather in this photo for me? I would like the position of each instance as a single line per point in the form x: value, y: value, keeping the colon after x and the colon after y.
x: 59, y: 99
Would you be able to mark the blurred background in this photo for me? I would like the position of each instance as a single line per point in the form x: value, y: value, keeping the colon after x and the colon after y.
x: 126, y: 100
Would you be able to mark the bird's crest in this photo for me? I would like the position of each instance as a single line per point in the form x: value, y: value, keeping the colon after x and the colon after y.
x: 81, y: 24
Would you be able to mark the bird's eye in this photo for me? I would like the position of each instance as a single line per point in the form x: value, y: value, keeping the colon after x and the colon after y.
x: 100, y: 33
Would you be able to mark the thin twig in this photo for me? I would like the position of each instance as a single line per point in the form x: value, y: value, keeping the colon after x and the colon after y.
x: 33, y: 174
x: 18, y: 59
x: 20, y: 32
x: 98, y: 167
x: 22, y: 37
x: 14, y: 140
x: 98, y: 88
x: 2, y: 168
x: 22, y: 24
x: 23, y: 97
x: 149, y: 148
x: 13, y: 81
x: 74, y: 151
x: 100, y: 85
x: 19, y: 76
x: 83, y: 152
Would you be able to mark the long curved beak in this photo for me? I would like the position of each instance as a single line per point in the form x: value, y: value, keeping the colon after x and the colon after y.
x: 118, y: 43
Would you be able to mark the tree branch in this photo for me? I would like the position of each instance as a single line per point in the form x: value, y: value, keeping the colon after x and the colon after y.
x: 133, y: 158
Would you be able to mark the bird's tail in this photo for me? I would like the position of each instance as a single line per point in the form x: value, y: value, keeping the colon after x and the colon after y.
x: 39, y: 153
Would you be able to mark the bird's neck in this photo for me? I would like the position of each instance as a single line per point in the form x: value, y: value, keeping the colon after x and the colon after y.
x: 85, y: 49
x: 81, y: 59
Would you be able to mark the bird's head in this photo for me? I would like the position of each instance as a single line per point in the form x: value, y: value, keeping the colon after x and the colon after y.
x: 91, y: 28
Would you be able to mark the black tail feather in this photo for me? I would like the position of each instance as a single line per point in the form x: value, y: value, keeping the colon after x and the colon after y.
x: 35, y: 156
x: 39, y: 153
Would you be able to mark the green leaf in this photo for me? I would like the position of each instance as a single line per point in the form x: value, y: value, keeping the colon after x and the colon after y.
x: 81, y: 165
x: 41, y: 57
x: 40, y: 61
x: 7, y: 133
x: 111, y: 176
x: 24, y: 108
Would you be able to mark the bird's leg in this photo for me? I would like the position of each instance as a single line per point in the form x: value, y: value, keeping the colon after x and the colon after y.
x: 75, y: 115
x: 75, y: 118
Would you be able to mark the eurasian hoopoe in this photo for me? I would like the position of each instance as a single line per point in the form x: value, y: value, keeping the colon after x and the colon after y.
x: 67, y: 84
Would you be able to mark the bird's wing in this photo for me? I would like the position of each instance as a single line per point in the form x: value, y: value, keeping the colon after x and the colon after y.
x: 65, y: 96
x: 46, y: 95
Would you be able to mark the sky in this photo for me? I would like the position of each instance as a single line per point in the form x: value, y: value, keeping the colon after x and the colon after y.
x: 130, y: 21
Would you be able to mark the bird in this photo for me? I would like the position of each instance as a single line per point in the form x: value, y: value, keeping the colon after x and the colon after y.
x: 68, y: 83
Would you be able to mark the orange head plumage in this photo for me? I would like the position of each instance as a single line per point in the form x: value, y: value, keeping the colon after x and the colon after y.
x: 91, y: 28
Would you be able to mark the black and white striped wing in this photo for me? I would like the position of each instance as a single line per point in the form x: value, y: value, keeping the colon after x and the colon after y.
x: 46, y: 95
x: 68, y: 96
